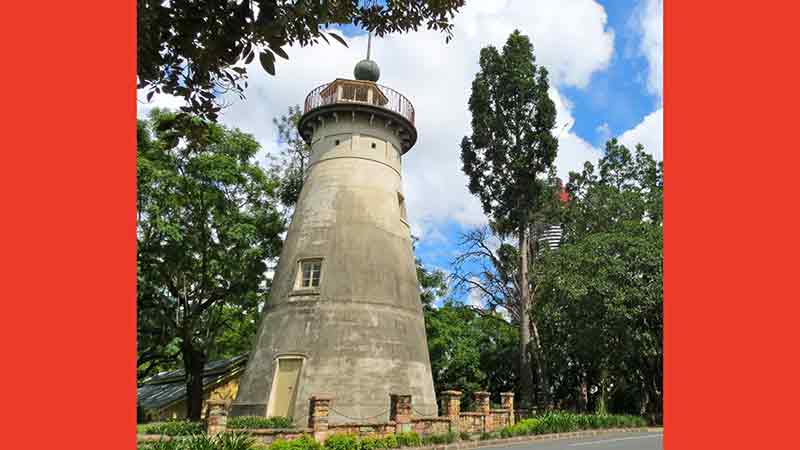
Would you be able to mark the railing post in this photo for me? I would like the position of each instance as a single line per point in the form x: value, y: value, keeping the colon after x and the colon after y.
x: 507, y: 401
x: 400, y: 412
x: 217, y: 420
x: 318, y: 418
x: 451, y: 406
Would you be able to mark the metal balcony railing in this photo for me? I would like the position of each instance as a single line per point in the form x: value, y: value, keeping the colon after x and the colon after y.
x: 352, y: 91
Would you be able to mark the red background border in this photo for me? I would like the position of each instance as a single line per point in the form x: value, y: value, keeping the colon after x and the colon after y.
x: 67, y: 182
x: 67, y: 255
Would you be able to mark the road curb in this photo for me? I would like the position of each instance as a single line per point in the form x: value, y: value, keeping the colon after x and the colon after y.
x: 537, y: 437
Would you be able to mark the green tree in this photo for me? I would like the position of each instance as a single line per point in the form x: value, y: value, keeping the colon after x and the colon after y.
x: 511, y: 148
x: 207, y: 224
x: 601, y: 295
x: 192, y: 48
x: 291, y: 164
x: 470, y: 350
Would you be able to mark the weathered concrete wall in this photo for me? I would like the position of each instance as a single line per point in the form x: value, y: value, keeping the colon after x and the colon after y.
x: 361, y: 333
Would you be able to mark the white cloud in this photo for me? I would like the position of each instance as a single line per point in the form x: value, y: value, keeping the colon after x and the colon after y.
x: 650, y: 21
x: 649, y: 133
x: 474, y: 295
x: 603, y: 132
x: 570, y: 38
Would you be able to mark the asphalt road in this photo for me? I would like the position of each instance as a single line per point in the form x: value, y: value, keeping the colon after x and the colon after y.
x: 611, y: 441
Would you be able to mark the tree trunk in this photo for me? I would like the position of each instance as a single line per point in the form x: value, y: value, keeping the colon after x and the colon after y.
x: 583, y: 393
x: 602, y: 407
x: 194, y: 361
x: 526, y: 374
x: 543, y: 383
x: 543, y: 387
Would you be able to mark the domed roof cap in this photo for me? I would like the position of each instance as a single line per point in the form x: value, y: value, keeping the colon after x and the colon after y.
x: 367, y: 70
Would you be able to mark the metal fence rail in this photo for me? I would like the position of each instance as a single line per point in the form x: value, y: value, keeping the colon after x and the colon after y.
x: 395, y: 101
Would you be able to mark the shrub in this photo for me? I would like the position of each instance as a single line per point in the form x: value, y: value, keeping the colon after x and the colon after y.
x: 561, y: 422
x: 158, y: 445
x: 305, y: 442
x: 409, y: 439
x: 197, y: 442
x: 465, y: 436
x: 390, y: 441
x: 173, y: 428
x: 234, y: 441
x: 492, y: 435
x: 437, y: 439
x: 371, y: 443
x: 250, y: 422
x: 341, y: 441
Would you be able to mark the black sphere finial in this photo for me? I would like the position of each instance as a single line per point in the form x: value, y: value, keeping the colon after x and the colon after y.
x: 367, y: 69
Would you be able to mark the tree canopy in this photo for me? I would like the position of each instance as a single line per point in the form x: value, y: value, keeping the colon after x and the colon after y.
x: 193, y: 48
x: 291, y: 164
x: 207, y: 224
x: 601, y: 298
x: 507, y: 158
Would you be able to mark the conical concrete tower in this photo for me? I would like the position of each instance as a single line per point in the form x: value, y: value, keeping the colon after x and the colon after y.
x: 344, y: 315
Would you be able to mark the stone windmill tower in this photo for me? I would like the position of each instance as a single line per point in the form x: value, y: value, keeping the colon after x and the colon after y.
x: 344, y: 315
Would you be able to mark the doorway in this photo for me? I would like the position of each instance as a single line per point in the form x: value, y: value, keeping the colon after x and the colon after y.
x: 284, y: 387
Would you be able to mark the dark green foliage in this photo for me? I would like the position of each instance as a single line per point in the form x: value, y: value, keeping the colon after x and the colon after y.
x: 470, y: 351
x: 341, y: 441
x: 409, y: 439
x: 206, y: 225
x: 194, y: 49
x: 291, y: 164
x: 512, y: 122
x: 464, y: 436
x: 511, y: 147
x: 173, y: 428
x: 251, y: 422
x: 601, y: 293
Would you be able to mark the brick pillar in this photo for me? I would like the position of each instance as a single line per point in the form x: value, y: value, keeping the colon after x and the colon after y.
x: 400, y: 412
x: 451, y: 403
x: 318, y: 415
x: 483, y: 406
x: 451, y: 407
x: 507, y: 400
x: 482, y: 403
x: 217, y: 419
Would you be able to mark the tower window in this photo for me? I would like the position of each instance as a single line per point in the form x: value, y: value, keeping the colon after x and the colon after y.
x: 310, y: 274
x: 337, y: 142
x: 402, y: 203
x: 374, y: 145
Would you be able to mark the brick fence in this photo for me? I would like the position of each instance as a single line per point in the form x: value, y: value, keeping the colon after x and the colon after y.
x: 402, y: 418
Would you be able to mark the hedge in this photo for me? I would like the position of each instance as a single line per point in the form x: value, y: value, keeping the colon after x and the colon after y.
x: 173, y: 428
x: 251, y: 422
x: 564, y: 422
x: 223, y: 441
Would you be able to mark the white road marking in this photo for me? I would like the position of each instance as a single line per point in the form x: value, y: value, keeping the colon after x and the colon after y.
x: 614, y: 440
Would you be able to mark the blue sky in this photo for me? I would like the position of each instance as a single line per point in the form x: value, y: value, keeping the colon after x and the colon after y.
x: 605, y: 62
